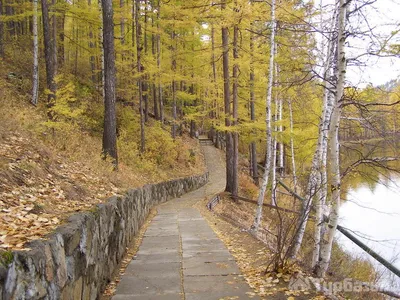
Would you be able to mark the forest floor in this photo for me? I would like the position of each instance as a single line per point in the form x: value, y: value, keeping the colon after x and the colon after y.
x: 42, y: 183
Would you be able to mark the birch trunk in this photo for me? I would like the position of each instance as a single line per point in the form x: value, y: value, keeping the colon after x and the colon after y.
x: 320, y: 206
x: 340, y: 72
x: 260, y: 200
x: 35, y: 75
x: 315, y: 179
x: 322, y: 190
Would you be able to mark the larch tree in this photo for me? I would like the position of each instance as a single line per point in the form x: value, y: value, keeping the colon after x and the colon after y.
x: 253, y: 148
x: 110, y: 118
x: 139, y: 70
x: 235, y: 103
x: 159, y: 81
x: 227, y: 105
x: 35, y: 72
x: 50, y: 57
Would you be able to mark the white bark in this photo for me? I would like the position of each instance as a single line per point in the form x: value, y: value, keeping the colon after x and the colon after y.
x: 35, y: 75
x: 306, y: 204
x: 292, y: 147
x: 263, y: 187
x: 322, y: 191
x: 315, y: 182
x: 340, y: 71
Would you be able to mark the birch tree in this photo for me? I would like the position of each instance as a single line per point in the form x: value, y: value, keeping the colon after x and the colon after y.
x: 315, y: 183
x: 340, y: 72
x: 264, y: 183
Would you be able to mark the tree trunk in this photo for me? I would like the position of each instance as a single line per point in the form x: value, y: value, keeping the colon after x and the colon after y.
x: 192, y: 129
x: 92, y: 59
x: 145, y: 88
x: 160, y: 89
x: 139, y: 69
x: 76, y: 38
x: 173, y: 88
x: 122, y: 25
x: 145, y: 91
x: 315, y: 178
x: 102, y: 57
x: 61, y: 37
x: 214, y: 69
x: 340, y: 72
x: 1, y: 31
x: 292, y: 147
x: 49, y: 58
x: 228, y: 135
x: 281, y: 160
x: 261, y: 194
x: 253, y: 149
x: 322, y: 190
x: 154, y: 87
x: 235, y: 95
x: 35, y: 73
x: 274, y: 153
x: 54, y: 34
x: 110, y: 120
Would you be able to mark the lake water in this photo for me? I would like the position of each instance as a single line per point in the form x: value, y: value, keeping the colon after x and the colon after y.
x: 374, y: 213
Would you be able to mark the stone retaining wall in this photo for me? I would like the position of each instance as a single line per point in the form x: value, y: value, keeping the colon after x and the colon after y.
x: 79, y: 258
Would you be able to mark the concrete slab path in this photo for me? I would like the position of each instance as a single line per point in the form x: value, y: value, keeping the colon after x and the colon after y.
x: 180, y: 257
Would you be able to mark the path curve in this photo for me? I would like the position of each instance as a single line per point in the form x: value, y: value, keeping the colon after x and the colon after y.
x: 180, y: 257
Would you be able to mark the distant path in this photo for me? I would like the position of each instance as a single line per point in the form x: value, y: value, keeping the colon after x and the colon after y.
x: 180, y: 256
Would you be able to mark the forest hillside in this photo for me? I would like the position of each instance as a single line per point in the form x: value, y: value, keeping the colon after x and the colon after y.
x: 46, y: 174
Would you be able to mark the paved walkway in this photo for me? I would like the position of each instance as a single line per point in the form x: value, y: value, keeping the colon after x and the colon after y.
x: 180, y: 256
